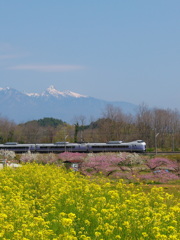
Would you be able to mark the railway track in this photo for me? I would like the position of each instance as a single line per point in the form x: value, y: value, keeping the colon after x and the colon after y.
x: 163, y: 152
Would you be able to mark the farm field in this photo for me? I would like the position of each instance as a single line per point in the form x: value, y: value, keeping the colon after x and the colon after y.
x: 49, y: 202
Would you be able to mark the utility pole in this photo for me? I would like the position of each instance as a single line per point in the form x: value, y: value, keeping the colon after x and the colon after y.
x: 156, y: 135
x: 76, y: 132
x: 173, y: 140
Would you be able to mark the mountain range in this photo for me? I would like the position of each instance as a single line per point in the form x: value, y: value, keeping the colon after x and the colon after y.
x: 21, y: 107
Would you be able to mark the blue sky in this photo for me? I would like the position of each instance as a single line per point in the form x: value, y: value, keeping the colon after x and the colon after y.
x: 113, y: 50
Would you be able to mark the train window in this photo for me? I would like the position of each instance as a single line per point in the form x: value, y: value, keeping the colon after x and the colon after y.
x: 44, y: 147
x: 56, y: 147
x: 111, y: 146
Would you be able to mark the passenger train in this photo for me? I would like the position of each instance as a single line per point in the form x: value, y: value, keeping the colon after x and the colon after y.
x: 59, y: 147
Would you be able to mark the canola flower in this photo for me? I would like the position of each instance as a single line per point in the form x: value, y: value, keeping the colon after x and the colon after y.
x: 47, y: 202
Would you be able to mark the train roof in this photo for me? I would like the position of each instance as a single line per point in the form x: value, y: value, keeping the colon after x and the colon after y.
x: 13, y: 144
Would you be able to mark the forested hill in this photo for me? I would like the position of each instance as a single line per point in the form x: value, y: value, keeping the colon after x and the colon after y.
x: 45, y: 122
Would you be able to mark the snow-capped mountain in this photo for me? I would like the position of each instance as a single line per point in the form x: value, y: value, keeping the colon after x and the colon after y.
x: 51, y: 91
x: 67, y: 105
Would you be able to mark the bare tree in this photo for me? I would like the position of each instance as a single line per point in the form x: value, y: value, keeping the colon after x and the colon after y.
x: 7, y: 129
x: 166, y: 123
x: 115, y: 124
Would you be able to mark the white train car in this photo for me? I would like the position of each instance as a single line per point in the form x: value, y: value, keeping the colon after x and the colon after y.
x: 59, y: 147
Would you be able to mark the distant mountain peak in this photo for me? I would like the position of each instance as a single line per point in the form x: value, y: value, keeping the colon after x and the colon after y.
x: 51, y: 90
x: 51, y: 87
x: 6, y: 88
x: 73, y: 94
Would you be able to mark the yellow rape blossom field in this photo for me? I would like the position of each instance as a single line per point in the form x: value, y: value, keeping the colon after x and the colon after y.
x: 47, y: 202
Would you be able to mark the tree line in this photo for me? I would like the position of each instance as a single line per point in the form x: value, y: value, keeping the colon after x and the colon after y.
x: 160, y: 127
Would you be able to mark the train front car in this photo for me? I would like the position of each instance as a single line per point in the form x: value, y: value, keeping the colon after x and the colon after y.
x: 118, y: 146
x: 138, y: 146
